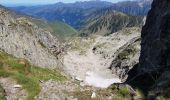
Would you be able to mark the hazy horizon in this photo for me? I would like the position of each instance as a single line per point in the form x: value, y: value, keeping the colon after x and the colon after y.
x: 41, y: 2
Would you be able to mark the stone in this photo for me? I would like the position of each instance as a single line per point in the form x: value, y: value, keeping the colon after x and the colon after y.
x: 17, y: 86
x: 93, y: 96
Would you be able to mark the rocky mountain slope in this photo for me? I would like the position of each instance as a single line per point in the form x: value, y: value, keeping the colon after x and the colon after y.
x: 90, y: 59
x: 24, y: 39
x: 107, y: 21
x: 94, y: 63
x: 21, y: 80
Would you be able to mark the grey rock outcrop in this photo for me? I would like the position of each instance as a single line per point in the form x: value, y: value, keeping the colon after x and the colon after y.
x: 23, y: 39
x: 127, y: 57
x: 120, y: 51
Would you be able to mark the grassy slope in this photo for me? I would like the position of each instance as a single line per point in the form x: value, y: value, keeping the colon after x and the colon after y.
x: 59, y: 29
x: 25, y: 74
x: 63, y: 29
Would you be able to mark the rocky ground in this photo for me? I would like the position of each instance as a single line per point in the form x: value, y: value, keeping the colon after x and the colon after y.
x: 90, y: 62
x: 24, y: 39
x: 86, y: 60
x: 12, y: 89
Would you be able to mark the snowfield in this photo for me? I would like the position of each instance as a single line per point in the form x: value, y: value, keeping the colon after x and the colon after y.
x: 95, y: 80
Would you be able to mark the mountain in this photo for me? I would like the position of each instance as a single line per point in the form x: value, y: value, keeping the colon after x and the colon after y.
x: 75, y: 13
x: 21, y: 37
x: 70, y: 13
x: 30, y: 56
x: 57, y: 28
x: 137, y: 7
x: 93, y: 62
x: 106, y: 21
x: 116, y: 17
x: 153, y: 73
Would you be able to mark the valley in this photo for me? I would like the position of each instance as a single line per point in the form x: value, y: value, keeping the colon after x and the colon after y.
x: 93, y: 56
x: 86, y: 50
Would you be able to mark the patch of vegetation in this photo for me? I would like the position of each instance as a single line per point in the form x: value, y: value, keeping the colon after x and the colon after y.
x: 42, y: 44
x: 46, y: 74
x: 102, y: 45
x: 2, y: 93
x: 130, y: 50
x: 101, y: 94
x: 25, y: 74
x: 82, y: 95
x: 139, y: 94
x: 63, y: 29
x: 28, y: 83
x: 59, y: 29
x: 124, y: 91
x: 128, y: 31
x: 12, y: 25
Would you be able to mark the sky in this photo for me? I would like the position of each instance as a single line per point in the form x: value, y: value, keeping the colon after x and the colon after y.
x: 40, y: 2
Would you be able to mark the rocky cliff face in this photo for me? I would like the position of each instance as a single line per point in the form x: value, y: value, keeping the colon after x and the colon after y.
x: 156, y: 38
x: 153, y: 72
x: 119, y: 51
x: 24, y: 39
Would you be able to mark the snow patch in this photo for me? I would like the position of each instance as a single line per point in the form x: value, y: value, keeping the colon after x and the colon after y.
x: 98, y: 81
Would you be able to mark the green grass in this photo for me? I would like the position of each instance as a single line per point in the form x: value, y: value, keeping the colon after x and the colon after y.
x: 123, y: 91
x: 46, y: 74
x: 25, y: 74
x: 2, y: 97
x: 130, y: 50
x: 59, y: 29
x: 101, y: 94
x: 63, y: 29
x: 28, y: 83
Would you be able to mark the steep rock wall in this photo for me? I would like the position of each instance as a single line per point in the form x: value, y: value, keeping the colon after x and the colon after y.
x: 156, y: 38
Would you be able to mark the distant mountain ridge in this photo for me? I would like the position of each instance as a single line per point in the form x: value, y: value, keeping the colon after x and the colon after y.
x: 78, y: 14
x: 70, y: 13
x: 137, y: 8
x: 108, y: 21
